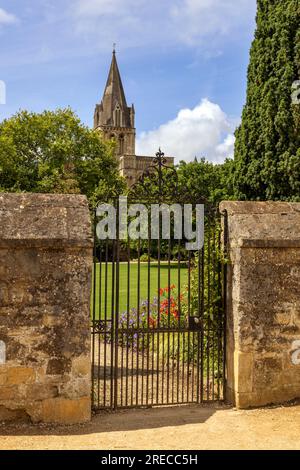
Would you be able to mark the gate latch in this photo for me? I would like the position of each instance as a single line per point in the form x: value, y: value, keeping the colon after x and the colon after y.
x: 195, y: 324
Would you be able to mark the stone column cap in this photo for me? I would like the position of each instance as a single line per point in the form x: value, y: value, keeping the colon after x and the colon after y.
x: 56, y: 220
x: 260, y: 207
x: 263, y: 224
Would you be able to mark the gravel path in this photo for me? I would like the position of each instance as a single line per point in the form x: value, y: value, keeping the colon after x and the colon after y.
x: 167, y: 429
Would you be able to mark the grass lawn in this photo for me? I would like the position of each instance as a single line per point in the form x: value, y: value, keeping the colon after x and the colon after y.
x: 107, y: 300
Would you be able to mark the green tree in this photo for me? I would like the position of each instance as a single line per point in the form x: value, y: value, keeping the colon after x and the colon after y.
x: 53, y: 152
x: 205, y: 180
x: 192, y: 182
x: 267, y: 151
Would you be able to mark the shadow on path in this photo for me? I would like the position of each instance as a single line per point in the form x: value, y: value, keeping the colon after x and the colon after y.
x: 127, y: 420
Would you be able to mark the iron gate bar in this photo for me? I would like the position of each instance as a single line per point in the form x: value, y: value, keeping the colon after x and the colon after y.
x: 224, y: 215
x: 128, y: 307
x: 94, y: 313
x: 148, y: 308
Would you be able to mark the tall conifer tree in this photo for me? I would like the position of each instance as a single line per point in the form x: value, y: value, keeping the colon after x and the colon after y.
x: 267, y: 150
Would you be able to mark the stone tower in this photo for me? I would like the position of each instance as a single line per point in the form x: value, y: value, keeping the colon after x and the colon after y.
x: 113, y: 117
x: 117, y: 121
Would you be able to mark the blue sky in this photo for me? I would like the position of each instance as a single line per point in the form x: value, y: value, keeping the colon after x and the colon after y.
x: 183, y: 64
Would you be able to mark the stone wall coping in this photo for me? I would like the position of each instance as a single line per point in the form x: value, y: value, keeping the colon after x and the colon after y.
x: 268, y: 243
x: 57, y: 220
x: 54, y: 244
x: 261, y: 207
x: 263, y: 224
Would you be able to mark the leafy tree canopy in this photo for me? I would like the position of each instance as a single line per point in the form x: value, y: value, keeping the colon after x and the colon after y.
x: 194, y: 182
x: 205, y: 180
x: 53, y: 152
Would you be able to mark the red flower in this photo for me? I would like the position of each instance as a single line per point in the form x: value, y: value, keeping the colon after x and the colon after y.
x: 152, y: 322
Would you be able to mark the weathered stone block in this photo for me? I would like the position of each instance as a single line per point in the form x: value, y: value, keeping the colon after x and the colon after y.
x: 81, y: 366
x: 267, y: 372
x: 40, y: 392
x: 62, y: 411
x: 7, y: 415
x: 75, y: 388
x: 16, y: 375
x: 9, y: 393
x: 58, y: 366
x: 20, y: 375
x: 243, y: 364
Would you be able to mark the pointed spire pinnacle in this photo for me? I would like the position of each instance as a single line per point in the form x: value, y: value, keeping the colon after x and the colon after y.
x: 115, y: 109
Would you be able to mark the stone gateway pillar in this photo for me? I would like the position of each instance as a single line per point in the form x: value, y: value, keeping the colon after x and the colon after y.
x: 263, y: 303
x: 45, y: 288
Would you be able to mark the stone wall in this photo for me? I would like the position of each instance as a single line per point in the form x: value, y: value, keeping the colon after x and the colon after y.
x: 45, y: 280
x: 263, y: 326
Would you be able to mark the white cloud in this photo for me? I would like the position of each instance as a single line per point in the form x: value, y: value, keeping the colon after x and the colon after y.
x: 204, y: 131
x: 226, y: 148
x: 203, y: 23
x: 7, y: 18
x: 197, y: 19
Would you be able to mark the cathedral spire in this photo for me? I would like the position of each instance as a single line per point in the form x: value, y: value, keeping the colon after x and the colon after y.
x: 116, y: 121
x: 112, y: 116
x: 113, y: 109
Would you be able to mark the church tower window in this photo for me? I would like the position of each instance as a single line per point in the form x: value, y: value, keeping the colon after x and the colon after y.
x: 118, y: 116
x: 121, y: 143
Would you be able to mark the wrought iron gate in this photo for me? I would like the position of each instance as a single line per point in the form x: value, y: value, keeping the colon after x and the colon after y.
x: 158, y: 320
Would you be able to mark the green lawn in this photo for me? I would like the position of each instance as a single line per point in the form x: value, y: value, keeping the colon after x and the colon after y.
x: 106, y: 300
